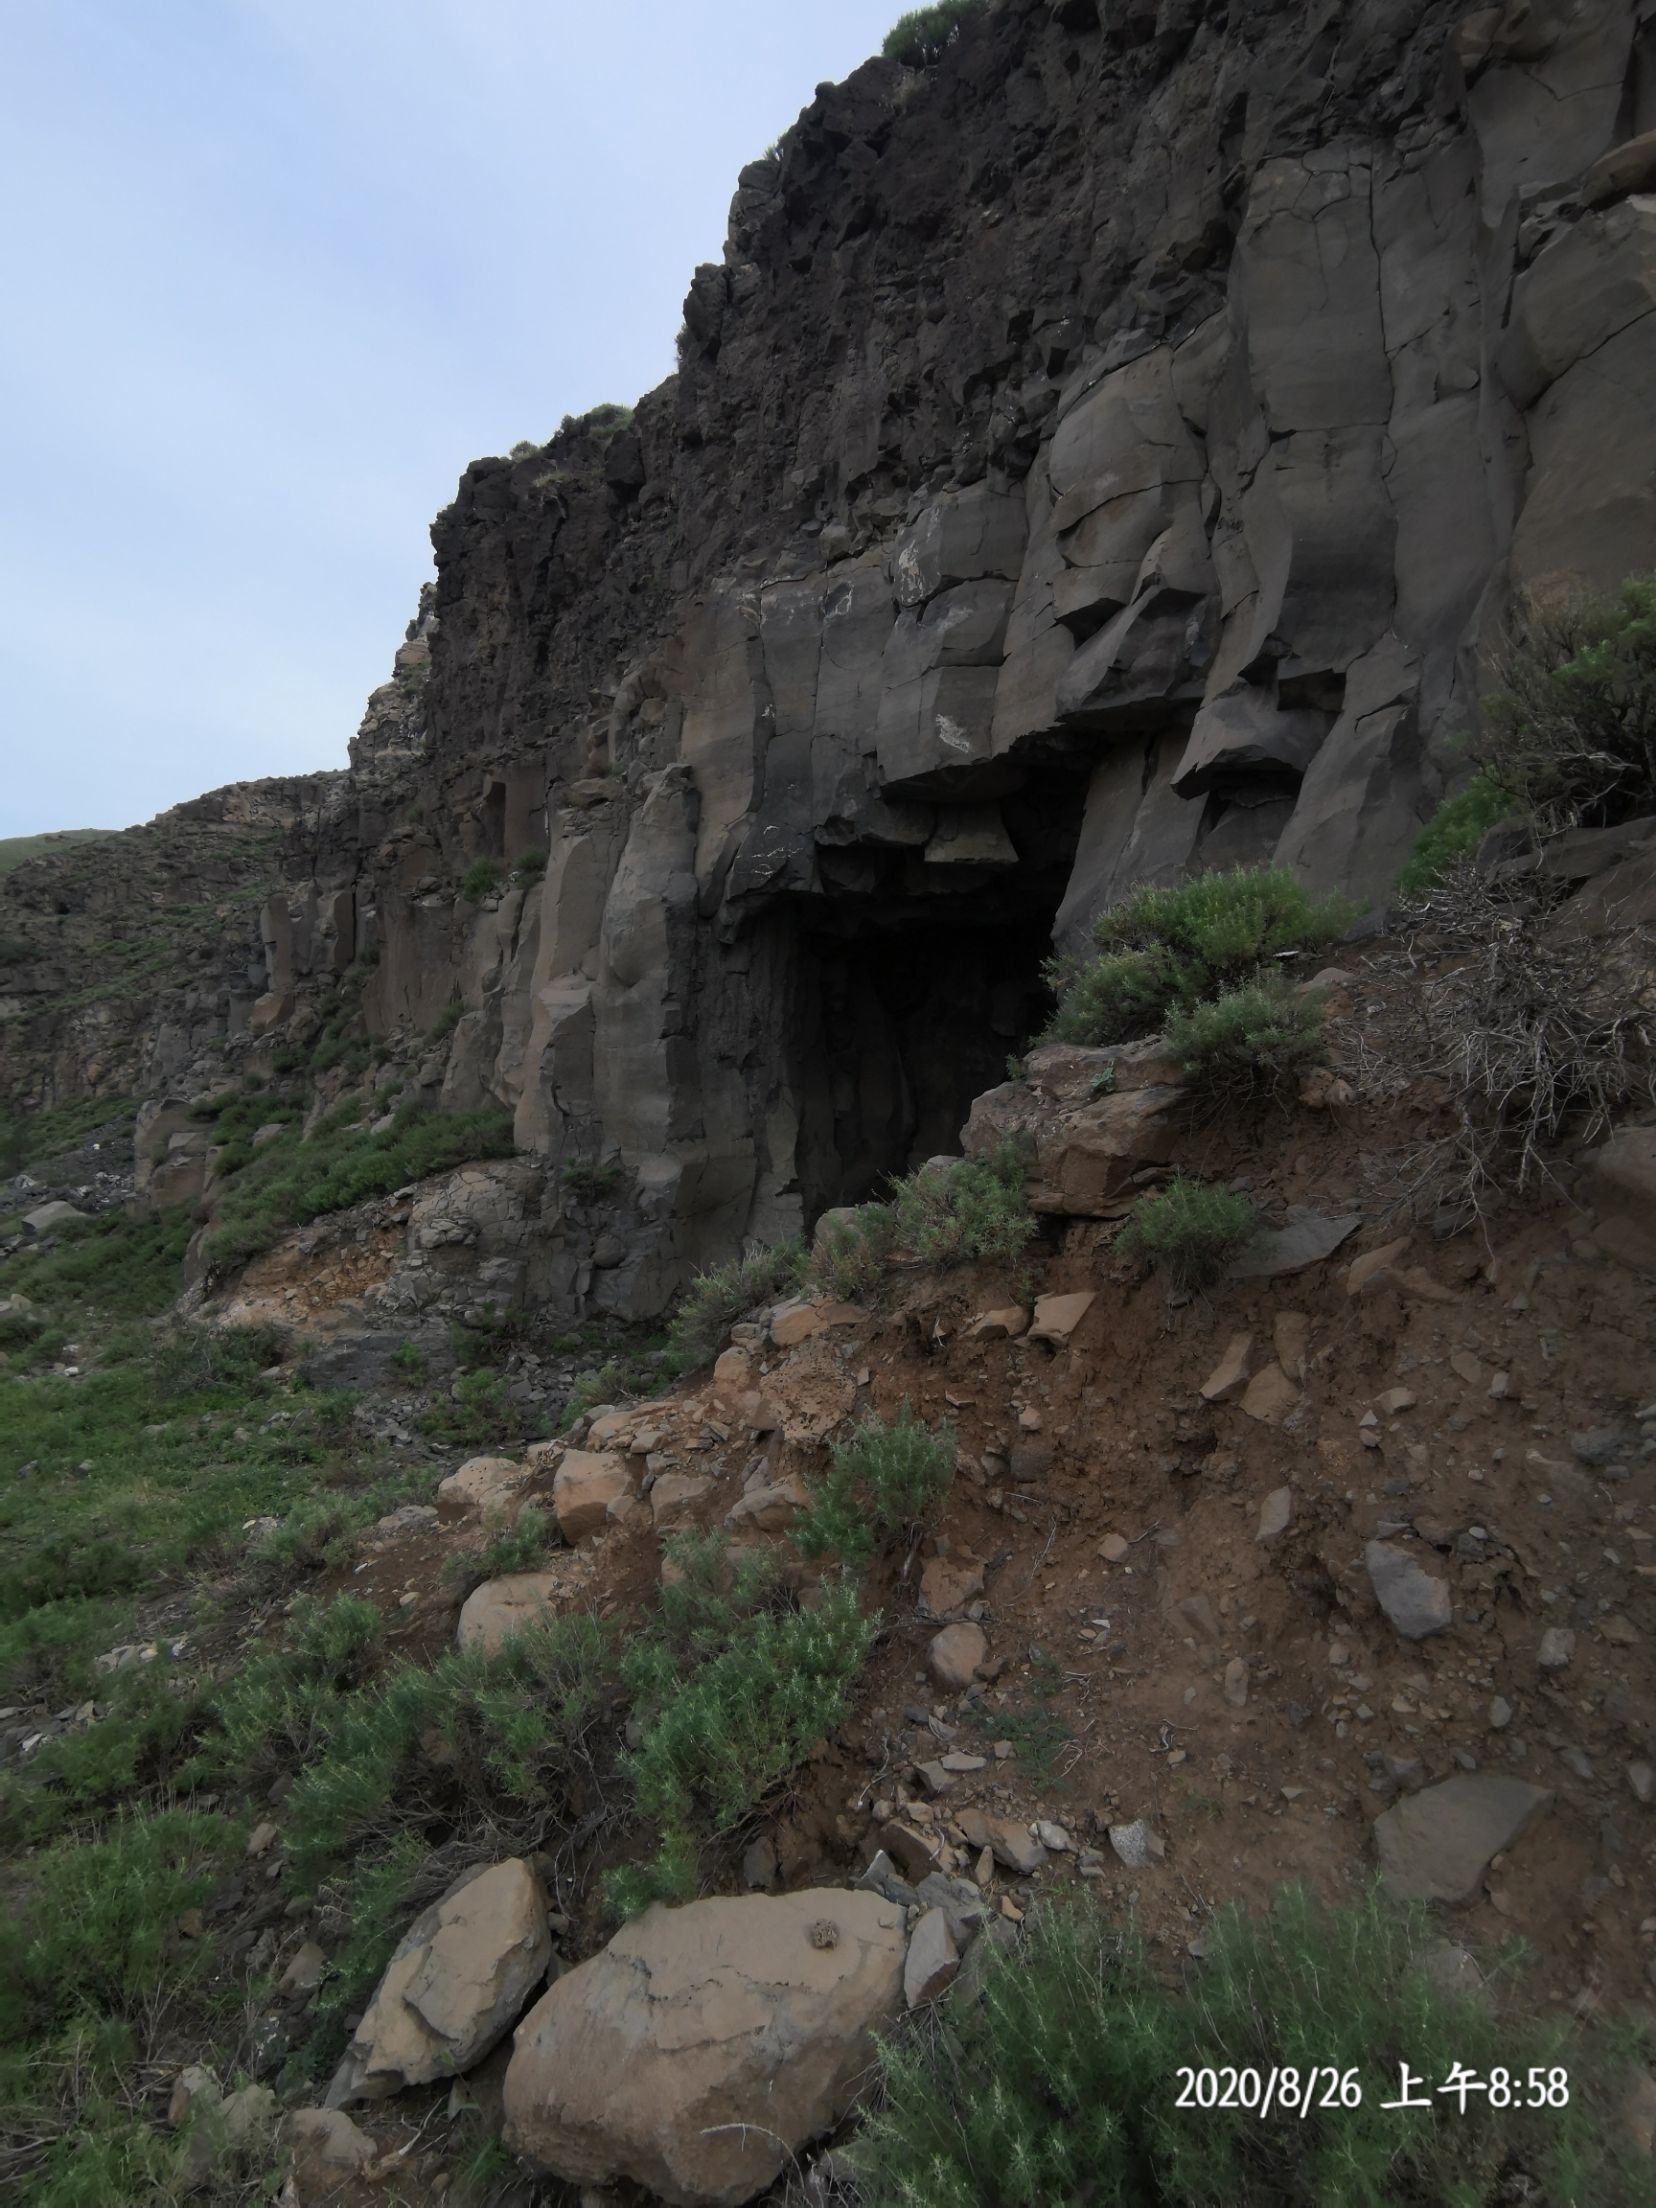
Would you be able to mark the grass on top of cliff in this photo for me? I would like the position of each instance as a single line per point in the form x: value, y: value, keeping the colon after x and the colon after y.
x: 298, y: 1177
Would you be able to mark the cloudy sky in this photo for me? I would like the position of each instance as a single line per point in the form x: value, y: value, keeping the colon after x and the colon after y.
x: 272, y: 272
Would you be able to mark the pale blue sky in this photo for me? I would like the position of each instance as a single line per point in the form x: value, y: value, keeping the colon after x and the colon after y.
x: 272, y: 271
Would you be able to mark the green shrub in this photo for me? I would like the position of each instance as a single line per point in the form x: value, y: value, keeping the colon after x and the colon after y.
x: 1191, y: 1229
x: 718, y: 1297
x: 714, y: 1740
x: 1570, y: 730
x: 409, y: 1359
x: 96, y: 1930
x: 481, y: 879
x: 946, y: 1214
x: 492, y: 1741
x: 881, y: 1486
x: 1252, y: 1045
x: 603, y: 421
x: 924, y: 35
x: 1454, y: 832
x: 1167, y: 948
x: 528, y: 867
x: 1063, y: 2081
x: 524, y: 449
x: 444, y: 1025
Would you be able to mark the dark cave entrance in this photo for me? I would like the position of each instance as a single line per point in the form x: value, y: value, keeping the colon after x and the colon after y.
x: 911, y: 999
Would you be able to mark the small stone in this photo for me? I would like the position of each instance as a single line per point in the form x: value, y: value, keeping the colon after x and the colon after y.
x: 948, y: 1584
x: 1006, y: 1323
x: 1500, y: 1714
x: 1557, y: 1648
x: 1236, y: 1683
x: 1619, y: 1629
x: 1642, y: 1779
x: 1052, y: 1837
x: 262, y: 1838
x: 1269, y: 1396
x: 1291, y: 1339
x: 1415, y: 1602
x: 304, y: 1973
x: 1135, y: 1844
x: 932, y: 1960
x: 1395, y: 1401
x: 1229, y: 1376
x: 1013, y: 1845
x: 1275, y: 1514
x: 1114, y: 1547
x: 1057, y: 1317
x: 954, y: 1656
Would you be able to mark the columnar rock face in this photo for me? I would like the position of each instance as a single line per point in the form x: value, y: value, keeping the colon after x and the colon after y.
x: 1098, y: 457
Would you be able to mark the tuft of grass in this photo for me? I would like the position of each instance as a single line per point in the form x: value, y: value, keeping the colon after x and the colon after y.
x: 717, y: 1298
x: 1250, y: 1046
x: 1191, y: 1229
x: 923, y: 36
x: 1454, y: 833
x: 1165, y: 949
x: 481, y: 879
x: 1063, y: 2080
x: 529, y: 866
x: 882, y: 1486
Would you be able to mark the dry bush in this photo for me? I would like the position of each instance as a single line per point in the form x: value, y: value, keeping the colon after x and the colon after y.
x: 1537, y: 1035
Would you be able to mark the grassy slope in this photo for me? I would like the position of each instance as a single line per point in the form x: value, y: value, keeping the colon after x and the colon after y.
x: 18, y: 850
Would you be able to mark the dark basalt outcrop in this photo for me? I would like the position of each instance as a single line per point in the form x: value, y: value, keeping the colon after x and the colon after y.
x: 1098, y: 456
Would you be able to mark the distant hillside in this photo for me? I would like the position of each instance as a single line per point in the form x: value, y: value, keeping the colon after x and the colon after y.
x: 14, y: 850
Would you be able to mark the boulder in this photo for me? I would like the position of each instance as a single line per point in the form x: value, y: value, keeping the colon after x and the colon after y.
x: 482, y: 1486
x: 504, y: 1606
x: 674, y: 1497
x: 1436, y: 1845
x: 1623, y: 1183
x: 455, y: 1985
x: 586, y: 1484
x: 45, y: 1217
x: 705, y: 2045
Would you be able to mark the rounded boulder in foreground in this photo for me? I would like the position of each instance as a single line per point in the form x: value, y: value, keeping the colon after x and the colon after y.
x: 705, y: 2045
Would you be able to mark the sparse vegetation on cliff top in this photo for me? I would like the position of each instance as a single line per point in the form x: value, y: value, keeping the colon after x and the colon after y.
x: 924, y: 35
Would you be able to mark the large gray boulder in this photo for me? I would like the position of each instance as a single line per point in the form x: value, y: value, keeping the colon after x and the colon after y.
x: 698, y: 2051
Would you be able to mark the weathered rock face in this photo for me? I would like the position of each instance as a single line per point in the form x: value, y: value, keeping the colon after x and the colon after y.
x: 704, y: 2045
x: 1095, y: 458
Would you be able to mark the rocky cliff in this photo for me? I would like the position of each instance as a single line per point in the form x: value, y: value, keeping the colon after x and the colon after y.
x: 1096, y: 457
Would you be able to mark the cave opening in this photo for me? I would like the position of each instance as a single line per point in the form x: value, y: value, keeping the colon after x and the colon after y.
x: 916, y: 984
